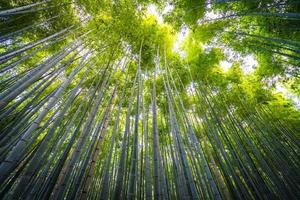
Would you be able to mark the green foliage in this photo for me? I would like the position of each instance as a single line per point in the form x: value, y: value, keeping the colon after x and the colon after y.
x: 214, y: 132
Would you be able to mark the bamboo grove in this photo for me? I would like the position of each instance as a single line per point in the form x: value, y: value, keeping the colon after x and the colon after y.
x: 95, y: 104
